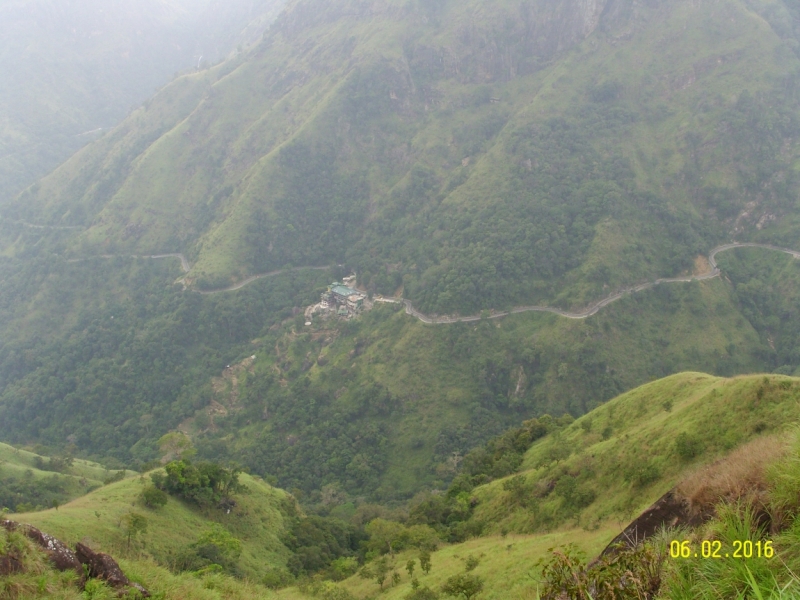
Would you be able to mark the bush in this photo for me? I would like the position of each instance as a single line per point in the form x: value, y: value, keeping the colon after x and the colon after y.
x: 622, y: 575
x: 152, y: 497
x: 277, y: 578
x: 687, y: 446
x: 343, y: 567
x: 215, y: 547
x: 644, y: 475
x: 463, y: 584
x: 422, y: 593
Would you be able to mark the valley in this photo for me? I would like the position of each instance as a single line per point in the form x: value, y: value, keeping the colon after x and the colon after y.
x: 565, y: 310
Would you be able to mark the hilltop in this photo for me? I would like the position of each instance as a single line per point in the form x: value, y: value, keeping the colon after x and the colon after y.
x: 32, y: 481
x: 258, y: 520
x: 621, y: 457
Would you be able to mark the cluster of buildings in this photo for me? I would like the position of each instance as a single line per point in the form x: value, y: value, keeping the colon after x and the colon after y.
x: 342, y: 300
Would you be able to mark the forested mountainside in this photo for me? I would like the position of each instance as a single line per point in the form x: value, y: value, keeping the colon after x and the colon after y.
x: 469, y: 156
x: 479, y: 154
x: 70, y: 71
x: 101, y: 358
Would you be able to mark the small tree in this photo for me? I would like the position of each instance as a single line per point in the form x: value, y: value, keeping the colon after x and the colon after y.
x: 133, y: 524
x: 463, y: 585
x: 218, y: 546
x: 381, y: 571
x: 471, y: 563
x: 425, y: 561
x: 395, y: 578
x: 410, y: 567
x: 386, y: 536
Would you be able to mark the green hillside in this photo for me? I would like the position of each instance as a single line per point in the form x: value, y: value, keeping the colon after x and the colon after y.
x: 376, y: 405
x: 661, y: 434
x: 258, y: 521
x: 624, y: 455
x: 31, y: 481
x: 579, y: 484
x: 538, y: 157
x: 532, y: 156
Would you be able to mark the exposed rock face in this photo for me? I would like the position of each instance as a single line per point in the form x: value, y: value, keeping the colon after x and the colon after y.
x: 9, y: 565
x: 61, y: 557
x: 102, y: 566
x: 668, y: 511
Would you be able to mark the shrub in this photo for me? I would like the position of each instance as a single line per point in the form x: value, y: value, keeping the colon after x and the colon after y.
x: 471, y: 563
x: 643, y: 475
x: 623, y: 575
x: 152, y: 497
x: 687, y: 446
x: 463, y: 584
x: 422, y: 593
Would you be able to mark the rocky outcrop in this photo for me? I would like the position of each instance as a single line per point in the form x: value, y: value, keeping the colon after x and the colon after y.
x: 99, y: 565
x: 104, y: 567
x: 61, y: 557
x: 668, y: 511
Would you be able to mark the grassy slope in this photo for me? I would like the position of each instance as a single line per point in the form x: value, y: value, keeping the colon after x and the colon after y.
x: 38, y: 488
x: 725, y: 412
x: 506, y: 564
x: 719, y: 413
x: 257, y: 521
x: 19, y: 461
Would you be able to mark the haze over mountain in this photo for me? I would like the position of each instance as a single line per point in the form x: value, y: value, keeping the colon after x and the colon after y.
x: 478, y: 154
x: 70, y: 70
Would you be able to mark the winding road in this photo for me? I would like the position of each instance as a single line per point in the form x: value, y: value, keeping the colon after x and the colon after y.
x: 594, y: 308
x: 436, y: 320
x: 34, y: 226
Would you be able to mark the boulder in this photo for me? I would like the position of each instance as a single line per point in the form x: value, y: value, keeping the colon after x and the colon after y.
x: 668, y: 511
x: 9, y: 565
x: 61, y: 557
x: 102, y: 566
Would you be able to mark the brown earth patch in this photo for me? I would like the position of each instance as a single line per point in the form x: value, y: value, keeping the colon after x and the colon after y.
x: 701, y: 265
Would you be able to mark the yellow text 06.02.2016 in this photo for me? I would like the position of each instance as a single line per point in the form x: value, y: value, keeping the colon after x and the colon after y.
x: 743, y: 549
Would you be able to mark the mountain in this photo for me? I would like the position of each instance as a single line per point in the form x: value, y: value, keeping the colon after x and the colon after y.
x: 468, y: 160
x: 479, y: 156
x: 71, y: 70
